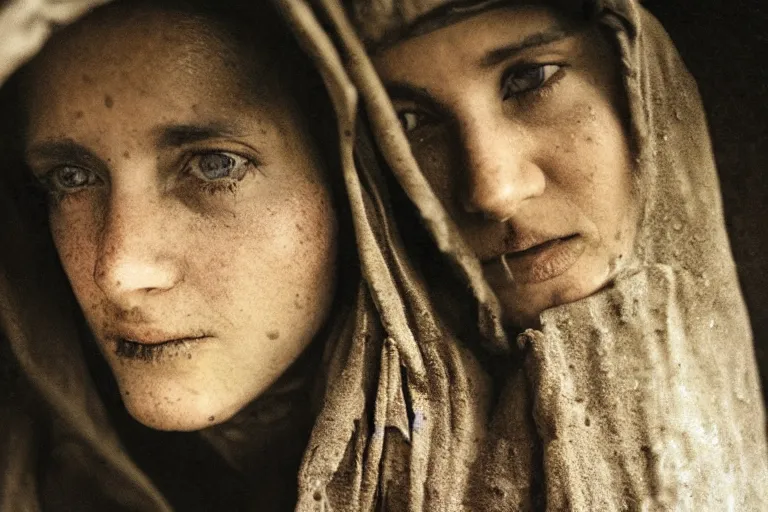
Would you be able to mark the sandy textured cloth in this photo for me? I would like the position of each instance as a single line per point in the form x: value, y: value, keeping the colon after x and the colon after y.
x: 643, y: 396
x: 404, y: 404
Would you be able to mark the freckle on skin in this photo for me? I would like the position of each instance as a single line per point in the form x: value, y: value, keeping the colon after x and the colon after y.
x: 79, y: 114
x: 108, y: 101
x: 126, y: 155
x: 273, y: 335
x: 211, y: 418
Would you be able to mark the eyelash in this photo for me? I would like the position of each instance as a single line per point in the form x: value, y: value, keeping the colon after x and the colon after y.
x: 552, y: 72
x: 229, y: 183
x: 529, y: 95
x: 57, y: 193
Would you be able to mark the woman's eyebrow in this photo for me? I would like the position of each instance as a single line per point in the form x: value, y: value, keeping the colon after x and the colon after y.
x: 399, y: 91
x: 63, y: 150
x: 177, y: 135
x: 498, y: 55
x: 404, y: 92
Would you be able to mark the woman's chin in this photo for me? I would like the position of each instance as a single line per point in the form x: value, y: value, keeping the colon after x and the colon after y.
x: 178, y: 410
x: 523, y: 307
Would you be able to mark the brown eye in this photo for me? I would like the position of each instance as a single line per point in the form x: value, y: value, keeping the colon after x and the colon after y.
x: 411, y: 120
x: 517, y: 81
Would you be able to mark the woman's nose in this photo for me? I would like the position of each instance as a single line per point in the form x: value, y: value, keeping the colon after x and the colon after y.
x: 500, y: 176
x: 134, y: 254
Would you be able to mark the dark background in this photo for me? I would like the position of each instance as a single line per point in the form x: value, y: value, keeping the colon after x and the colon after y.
x: 725, y: 45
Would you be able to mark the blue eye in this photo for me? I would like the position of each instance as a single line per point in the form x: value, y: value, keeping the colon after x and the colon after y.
x: 519, y: 80
x: 68, y: 179
x: 219, y: 166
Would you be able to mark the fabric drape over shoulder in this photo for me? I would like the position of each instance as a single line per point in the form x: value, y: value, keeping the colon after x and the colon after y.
x: 641, y: 397
x: 645, y: 395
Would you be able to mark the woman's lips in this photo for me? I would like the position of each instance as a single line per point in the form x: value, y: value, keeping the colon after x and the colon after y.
x: 148, y: 344
x: 540, y: 262
x: 142, y: 350
x: 157, y: 343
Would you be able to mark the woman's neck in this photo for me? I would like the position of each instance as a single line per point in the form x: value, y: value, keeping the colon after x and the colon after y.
x: 269, y: 435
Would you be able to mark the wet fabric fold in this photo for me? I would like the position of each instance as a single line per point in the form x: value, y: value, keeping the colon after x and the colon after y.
x: 627, y: 424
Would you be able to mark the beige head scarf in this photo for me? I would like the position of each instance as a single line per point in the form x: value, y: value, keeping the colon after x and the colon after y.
x: 643, y: 396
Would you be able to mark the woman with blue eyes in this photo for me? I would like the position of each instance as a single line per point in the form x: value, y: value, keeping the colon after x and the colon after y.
x: 192, y: 212
x: 185, y: 322
x: 177, y: 201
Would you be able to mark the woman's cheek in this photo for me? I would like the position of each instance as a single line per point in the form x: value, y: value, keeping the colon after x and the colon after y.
x: 74, y: 231
x: 277, y: 232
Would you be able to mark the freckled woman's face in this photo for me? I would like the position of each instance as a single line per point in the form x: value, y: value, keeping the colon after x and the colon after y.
x: 189, y: 209
x: 514, y: 119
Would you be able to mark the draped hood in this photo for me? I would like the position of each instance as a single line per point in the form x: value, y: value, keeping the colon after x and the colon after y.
x: 645, y: 395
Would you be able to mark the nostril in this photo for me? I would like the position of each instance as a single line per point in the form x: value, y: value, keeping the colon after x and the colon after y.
x: 493, y: 203
x: 497, y: 193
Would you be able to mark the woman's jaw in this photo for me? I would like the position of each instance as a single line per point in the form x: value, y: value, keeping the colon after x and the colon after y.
x: 189, y: 207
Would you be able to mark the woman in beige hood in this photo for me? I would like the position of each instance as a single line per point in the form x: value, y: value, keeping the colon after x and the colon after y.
x: 189, y: 172
x: 641, y: 396
x: 558, y: 155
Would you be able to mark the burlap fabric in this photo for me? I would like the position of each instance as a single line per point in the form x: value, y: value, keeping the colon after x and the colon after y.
x: 641, y: 397
x: 644, y: 396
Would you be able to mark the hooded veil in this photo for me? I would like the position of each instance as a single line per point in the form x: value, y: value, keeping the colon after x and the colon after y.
x: 643, y: 396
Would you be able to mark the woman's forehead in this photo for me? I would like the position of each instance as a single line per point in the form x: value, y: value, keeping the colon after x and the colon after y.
x: 479, y: 41
x: 156, y: 67
x: 396, y: 20
x: 145, y: 37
